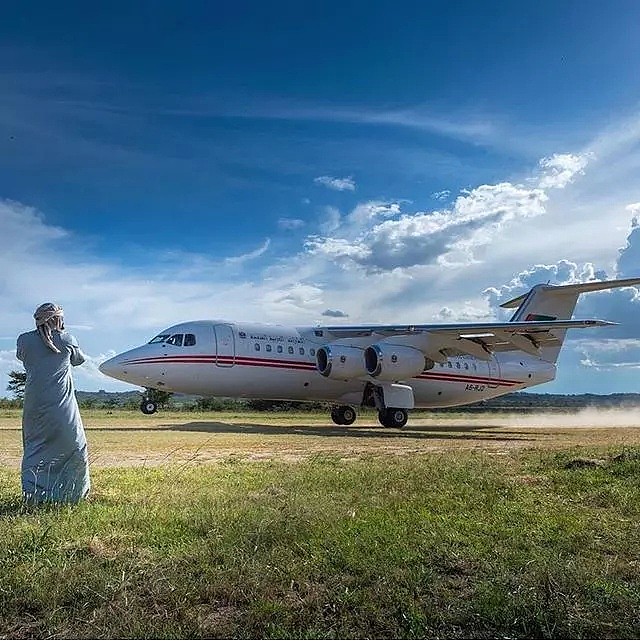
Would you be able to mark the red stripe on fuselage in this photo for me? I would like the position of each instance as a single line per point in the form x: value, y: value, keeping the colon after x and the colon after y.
x: 469, y: 378
x: 226, y: 360
x: 298, y: 365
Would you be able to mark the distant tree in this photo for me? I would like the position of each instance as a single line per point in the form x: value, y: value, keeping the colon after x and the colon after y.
x: 131, y: 402
x: 157, y: 395
x: 17, y: 382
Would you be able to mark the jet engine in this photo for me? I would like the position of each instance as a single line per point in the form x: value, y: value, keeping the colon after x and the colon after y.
x: 395, y: 362
x: 340, y: 362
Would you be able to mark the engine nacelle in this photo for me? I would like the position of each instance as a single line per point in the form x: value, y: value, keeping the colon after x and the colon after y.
x: 340, y: 362
x: 395, y: 362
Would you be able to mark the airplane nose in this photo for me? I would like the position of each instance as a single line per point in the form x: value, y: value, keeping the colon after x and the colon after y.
x: 111, y: 367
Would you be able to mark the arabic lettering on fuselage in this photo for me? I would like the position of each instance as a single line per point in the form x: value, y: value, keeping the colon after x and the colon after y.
x: 275, y: 339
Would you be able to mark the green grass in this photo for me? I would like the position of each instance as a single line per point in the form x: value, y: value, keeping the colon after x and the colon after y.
x: 448, y: 545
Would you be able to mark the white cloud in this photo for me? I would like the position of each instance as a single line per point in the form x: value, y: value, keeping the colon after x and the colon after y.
x: 296, y: 298
x: 335, y: 313
x: 256, y: 253
x: 469, y: 127
x: 561, y: 169
x: 337, y: 184
x: 8, y: 362
x: 423, y: 238
x: 465, y: 313
x: 633, y: 208
x: 365, y: 213
x: 609, y: 354
x: 377, y: 236
x: 563, y: 272
x: 330, y: 219
x: 441, y: 195
x: 290, y: 223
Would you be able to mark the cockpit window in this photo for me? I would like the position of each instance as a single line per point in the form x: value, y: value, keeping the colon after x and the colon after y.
x: 160, y: 338
x: 179, y: 340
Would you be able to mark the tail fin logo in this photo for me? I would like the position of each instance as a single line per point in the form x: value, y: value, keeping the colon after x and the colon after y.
x: 540, y: 317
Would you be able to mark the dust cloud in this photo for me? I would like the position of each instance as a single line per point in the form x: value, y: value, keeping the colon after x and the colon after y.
x: 584, y: 418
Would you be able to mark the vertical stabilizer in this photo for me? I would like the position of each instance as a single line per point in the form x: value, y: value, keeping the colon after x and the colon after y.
x: 557, y: 302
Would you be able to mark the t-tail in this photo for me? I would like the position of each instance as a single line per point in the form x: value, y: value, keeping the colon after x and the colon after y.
x: 557, y: 302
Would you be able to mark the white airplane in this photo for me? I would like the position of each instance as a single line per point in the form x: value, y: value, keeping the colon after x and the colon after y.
x: 393, y: 368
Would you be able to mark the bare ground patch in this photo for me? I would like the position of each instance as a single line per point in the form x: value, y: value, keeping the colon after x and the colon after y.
x: 128, y: 439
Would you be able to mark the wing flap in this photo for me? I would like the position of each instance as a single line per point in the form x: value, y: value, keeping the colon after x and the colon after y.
x: 463, y: 329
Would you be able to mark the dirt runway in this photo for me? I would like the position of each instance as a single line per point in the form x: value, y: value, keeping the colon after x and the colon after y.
x: 134, y: 440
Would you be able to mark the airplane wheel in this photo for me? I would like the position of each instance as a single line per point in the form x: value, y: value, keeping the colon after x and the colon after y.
x: 393, y: 417
x: 343, y: 415
x: 148, y: 407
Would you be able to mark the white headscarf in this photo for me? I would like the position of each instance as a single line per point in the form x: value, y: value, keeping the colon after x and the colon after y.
x: 49, y: 318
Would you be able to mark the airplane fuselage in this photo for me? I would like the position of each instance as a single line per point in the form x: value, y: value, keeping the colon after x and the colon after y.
x: 249, y: 360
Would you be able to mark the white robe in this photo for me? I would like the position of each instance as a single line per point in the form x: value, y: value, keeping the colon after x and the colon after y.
x: 55, y: 465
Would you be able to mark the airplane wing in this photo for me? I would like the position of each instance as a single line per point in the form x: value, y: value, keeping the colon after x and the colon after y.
x: 544, y: 326
x: 477, y: 339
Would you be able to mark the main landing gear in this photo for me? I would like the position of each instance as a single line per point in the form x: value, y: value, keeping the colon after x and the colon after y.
x: 343, y: 415
x: 393, y: 417
x: 396, y: 417
x: 392, y: 400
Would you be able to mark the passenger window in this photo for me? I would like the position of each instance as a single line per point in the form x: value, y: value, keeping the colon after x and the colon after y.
x: 290, y: 349
x: 312, y: 352
x: 449, y: 364
x: 257, y: 347
x: 176, y: 340
x: 474, y: 367
x: 458, y: 365
x: 268, y: 348
x: 279, y: 349
x: 302, y: 351
x: 466, y: 365
x: 189, y: 340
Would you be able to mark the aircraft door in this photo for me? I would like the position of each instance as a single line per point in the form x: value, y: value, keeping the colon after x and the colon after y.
x: 225, y: 346
x: 494, y: 370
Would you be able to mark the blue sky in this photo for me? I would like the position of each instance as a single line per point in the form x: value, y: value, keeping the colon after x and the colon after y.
x: 272, y: 161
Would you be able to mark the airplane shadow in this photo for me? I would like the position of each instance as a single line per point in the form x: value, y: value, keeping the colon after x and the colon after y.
x: 424, y: 432
x: 460, y: 432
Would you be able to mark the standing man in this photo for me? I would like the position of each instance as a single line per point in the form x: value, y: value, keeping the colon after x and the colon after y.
x: 55, y: 465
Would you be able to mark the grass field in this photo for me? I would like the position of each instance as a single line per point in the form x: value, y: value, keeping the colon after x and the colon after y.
x: 264, y: 526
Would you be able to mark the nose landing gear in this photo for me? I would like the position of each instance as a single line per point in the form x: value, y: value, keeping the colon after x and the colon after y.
x: 343, y: 415
x: 148, y: 406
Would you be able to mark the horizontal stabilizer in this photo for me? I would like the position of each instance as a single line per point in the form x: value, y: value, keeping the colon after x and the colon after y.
x: 576, y: 288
